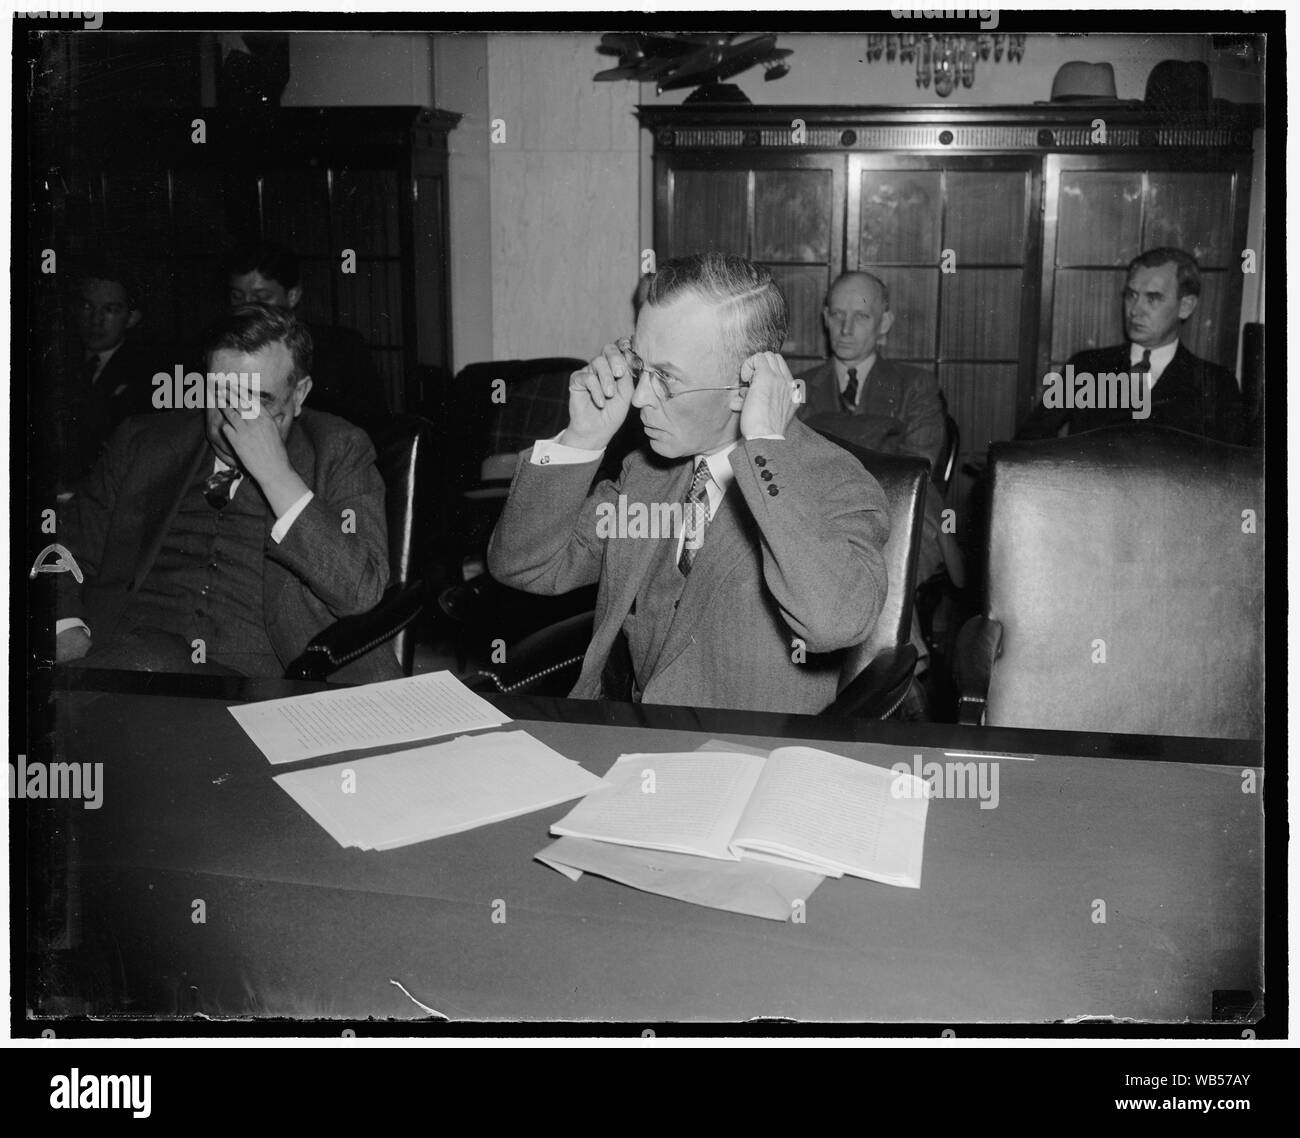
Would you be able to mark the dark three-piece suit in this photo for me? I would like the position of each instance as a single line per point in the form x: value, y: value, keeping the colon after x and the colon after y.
x: 157, y: 556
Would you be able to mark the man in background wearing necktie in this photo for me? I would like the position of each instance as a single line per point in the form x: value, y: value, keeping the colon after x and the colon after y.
x: 1183, y: 391
x: 105, y: 376
x: 859, y: 394
x: 775, y: 565
x: 216, y: 539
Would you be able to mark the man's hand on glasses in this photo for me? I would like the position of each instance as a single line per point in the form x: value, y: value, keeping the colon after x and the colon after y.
x: 772, y: 397
x: 599, y: 396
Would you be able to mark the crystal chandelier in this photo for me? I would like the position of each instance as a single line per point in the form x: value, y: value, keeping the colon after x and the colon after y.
x: 947, y: 59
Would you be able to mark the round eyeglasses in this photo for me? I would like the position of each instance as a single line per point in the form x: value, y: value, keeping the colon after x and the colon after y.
x: 664, y: 386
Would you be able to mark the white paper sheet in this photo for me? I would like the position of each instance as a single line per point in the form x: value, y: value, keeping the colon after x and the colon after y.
x: 375, y: 715
x: 385, y: 801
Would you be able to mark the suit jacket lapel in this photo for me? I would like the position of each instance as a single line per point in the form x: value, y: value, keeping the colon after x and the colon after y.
x: 177, y: 470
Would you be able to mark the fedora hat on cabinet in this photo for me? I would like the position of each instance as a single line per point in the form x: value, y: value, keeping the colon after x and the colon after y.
x: 1079, y: 82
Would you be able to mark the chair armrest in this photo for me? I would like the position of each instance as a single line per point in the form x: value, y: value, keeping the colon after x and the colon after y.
x: 979, y: 644
x: 877, y: 690
x: 556, y: 651
x: 352, y: 637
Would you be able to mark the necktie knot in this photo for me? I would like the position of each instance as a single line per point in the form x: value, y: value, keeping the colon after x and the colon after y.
x: 217, y: 489
x: 1144, y: 364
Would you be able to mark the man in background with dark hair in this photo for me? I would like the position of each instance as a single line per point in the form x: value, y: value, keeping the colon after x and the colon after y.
x: 756, y: 559
x: 1181, y: 390
x: 344, y: 378
x: 104, y: 376
x: 226, y: 538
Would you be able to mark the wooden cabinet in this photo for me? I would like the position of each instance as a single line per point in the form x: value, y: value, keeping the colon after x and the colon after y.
x: 358, y: 193
x: 1001, y: 232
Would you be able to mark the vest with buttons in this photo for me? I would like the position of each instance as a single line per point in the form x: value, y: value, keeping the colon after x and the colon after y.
x: 206, y: 582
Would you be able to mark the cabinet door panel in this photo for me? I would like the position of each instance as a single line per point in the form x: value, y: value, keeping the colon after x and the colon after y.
x: 1088, y: 311
x: 804, y: 288
x: 366, y: 212
x: 708, y: 211
x: 296, y: 209
x: 792, y: 215
x: 899, y: 217
x: 1192, y: 212
x: 986, y: 217
x: 914, y: 301
x: 981, y: 313
x: 1100, y: 217
x: 1211, y: 331
x: 982, y: 398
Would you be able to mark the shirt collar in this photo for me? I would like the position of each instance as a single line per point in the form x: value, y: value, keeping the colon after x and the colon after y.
x: 1161, y: 357
x: 862, y: 369
x: 721, y: 476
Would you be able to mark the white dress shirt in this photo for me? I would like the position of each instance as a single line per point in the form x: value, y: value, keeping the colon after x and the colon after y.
x: 1160, y: 359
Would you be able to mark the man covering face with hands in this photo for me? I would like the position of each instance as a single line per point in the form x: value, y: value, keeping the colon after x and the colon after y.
x: 738, y: 553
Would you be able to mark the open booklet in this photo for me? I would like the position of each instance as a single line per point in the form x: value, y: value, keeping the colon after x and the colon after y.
x: 800, y: 807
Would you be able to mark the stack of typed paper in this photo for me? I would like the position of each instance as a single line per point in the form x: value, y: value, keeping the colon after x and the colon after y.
x: 744, y: 832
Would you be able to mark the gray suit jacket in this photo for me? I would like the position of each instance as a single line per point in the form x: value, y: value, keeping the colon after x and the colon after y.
x: 900, y: 410
x: 115, y: 524
x: 794, y: 554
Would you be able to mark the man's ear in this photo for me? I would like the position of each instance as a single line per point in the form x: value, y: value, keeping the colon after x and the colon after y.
x: 300, y: 392
x: 294, y: 295
x: 1187, y: 305
x: 134, y: 318
x: 886, y: 323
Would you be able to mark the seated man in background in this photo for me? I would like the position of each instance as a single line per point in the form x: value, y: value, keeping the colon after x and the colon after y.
x: 344, y: 378
x: 860, y: 395
x: 776, y: 565
x: 214, y: 541
x: 105, y: 377
x: 1180, y: 390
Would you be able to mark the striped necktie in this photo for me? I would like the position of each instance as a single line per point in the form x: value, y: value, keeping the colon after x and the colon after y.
x: 695, y: 516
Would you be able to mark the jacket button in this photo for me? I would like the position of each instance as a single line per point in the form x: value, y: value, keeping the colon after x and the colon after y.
x: 766, y: 476
x: 760, y: 461
x: 773, y: 491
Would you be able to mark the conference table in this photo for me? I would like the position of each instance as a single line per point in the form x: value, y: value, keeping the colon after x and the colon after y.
x: 1117, y: 878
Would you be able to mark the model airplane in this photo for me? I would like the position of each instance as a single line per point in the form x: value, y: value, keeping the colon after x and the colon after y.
x: 673, y: 60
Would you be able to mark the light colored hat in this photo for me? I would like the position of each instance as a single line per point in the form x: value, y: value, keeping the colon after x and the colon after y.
x: 1079, y: 82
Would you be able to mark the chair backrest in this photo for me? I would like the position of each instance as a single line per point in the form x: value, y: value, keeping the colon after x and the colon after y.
x: 903, y: 478
x: 1126, y: 568
x: 404, y: 447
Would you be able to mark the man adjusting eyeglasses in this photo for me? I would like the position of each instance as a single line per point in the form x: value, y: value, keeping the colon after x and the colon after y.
x: 738, y: 553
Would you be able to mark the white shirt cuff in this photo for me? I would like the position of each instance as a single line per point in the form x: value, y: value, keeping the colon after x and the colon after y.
x: 548, y: 452
x: 62, y: 626
x: 289, y: 516
x: 752, y: 438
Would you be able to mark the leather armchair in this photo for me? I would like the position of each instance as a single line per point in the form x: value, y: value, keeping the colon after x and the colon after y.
x: 1125, y: 587
x: 403, y: 449
x: 876, y: 673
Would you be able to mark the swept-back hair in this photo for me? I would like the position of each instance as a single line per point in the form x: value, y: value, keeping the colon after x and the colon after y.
x: 1189, y: 272
x: 752, y: 309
